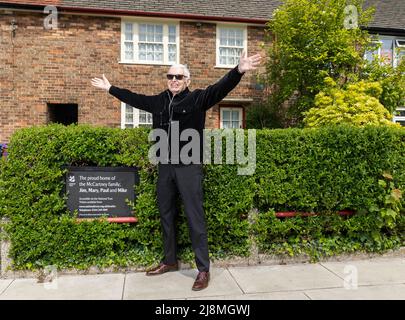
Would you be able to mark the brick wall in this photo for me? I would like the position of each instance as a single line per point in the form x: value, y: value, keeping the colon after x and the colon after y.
x: 40, y: 66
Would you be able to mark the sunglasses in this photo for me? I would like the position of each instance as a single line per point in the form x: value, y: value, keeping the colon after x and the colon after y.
x: 176, y: 76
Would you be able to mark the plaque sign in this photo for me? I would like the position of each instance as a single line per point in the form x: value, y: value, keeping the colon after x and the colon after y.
x: 101, y: 191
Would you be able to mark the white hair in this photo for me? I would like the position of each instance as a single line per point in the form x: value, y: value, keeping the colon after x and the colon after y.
x: 184, y: 67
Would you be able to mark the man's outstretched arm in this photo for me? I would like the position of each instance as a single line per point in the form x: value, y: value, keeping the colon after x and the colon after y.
x: 216, y: 92
x: 140, y: 101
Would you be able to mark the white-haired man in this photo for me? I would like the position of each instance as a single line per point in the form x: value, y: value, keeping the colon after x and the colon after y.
x: 188, y: 109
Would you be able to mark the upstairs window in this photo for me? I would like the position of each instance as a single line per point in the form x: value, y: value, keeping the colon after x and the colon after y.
x: 149, y: 43
x: 230, y: 43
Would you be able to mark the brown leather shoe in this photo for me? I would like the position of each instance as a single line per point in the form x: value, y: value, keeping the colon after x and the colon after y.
x: 201, y: 282
x: 162, y: 268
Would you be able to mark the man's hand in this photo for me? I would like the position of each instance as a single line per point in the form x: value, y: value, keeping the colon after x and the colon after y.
x: 248, y: 63
x: 101, y: 83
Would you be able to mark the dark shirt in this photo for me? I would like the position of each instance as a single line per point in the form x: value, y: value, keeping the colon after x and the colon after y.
x: 187, y: 107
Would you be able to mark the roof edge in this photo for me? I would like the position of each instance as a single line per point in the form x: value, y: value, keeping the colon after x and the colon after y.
x: 386, y: 31
x: 87, y: 10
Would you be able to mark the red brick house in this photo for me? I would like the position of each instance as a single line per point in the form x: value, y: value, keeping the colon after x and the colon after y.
x: 46, y: 71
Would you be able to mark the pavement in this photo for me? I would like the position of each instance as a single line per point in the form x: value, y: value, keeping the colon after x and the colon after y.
x: 371, y: 279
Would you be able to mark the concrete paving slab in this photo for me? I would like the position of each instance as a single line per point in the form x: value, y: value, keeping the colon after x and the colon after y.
x: 292, y: 295
x: 386, y: 292
x: 4, y: 284
x: 284, y: 278
x: 174, y: 285
x: 370, y: 272
x: 95, y: 287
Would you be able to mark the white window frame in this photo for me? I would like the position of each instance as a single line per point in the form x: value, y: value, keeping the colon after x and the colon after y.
x: 245, y: 44
x: 135, y: 123
x: 221, y: 116
x: 135, y: 39
x: 399, y: 118
x: 396, y: 45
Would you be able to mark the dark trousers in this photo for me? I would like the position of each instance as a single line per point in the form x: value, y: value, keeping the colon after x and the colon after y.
x: 187, y: 179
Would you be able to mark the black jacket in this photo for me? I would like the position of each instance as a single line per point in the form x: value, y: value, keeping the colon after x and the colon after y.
x: 187, y: 107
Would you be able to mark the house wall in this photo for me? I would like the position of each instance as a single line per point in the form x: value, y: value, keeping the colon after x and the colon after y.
x: 40, y: 66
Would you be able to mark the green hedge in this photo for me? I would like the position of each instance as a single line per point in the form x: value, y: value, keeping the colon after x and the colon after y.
x: 318, y: 170
x: 325, y: 171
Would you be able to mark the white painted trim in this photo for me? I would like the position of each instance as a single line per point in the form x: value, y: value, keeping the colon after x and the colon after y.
x: 243, y: 27
x: 239, y: 109
x: 135, y: 40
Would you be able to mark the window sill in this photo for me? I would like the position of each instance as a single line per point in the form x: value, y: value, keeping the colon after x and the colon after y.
x: 224, y: 67
x: 146, y: 63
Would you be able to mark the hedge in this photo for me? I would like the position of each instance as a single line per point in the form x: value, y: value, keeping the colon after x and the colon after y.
x: 312, y: 170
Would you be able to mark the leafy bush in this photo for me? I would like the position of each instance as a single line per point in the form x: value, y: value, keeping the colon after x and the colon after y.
x: 319, y: 170
x: 324, y: 171
x: 43, y: 232
x: 357, y: 105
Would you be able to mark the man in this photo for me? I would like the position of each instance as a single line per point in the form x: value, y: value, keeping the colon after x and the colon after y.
x: 180, y: 106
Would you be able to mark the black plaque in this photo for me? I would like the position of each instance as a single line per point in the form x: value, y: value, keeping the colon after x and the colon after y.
x: 101, y: 191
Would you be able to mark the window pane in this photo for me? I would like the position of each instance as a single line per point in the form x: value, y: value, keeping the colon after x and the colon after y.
x: 159, y: 37
x: 172, y: 53
x: 400, y: 113
x: 142, y: 28
x: 158, y: 47
x: 145, y: 117
x: 142, y: 52
x: 172, y: 34
x: 129, y: 109
x: 142, y: 117
x: 128, y: 36
x: 226, y: 124
x: 226, y: 115
x: 128, y: 31
x: 235, y: 115
x: 230, y: 61
x: 129, y: 51
x: 128, y: 27
x: 386, y: 50
x: 129, y: 114
x: 239, y: 42
x: 142, y: 56
x: 158, y: 56
x: 159, y: 29
x: 235, y: 125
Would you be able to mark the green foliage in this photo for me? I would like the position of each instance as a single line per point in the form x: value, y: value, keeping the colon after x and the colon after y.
x: 356, y: 105
x: 324, y: 171
x: 259, y: 116
x: 390, y: 202
x: 308, y: 45
x: 392, y: 81
x: 42, y: 232
x: 317, y: 170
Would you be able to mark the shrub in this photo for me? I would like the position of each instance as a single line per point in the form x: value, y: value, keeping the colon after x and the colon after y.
x: 318, y: 170
x: 357, y: 105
